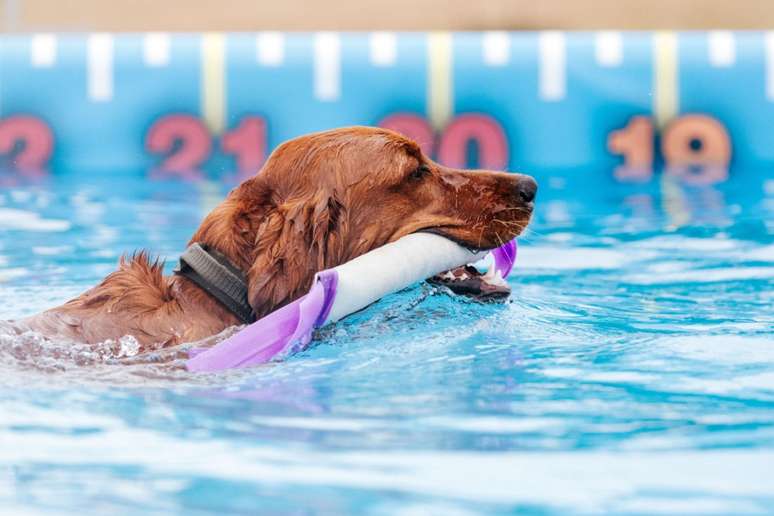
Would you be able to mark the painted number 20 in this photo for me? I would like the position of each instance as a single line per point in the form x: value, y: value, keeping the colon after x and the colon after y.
x: 452, y: 144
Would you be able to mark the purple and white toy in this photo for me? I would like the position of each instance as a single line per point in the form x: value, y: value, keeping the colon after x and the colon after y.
x: 341, y: 291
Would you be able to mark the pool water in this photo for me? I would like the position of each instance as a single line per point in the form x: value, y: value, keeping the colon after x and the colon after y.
x: 631, y: 371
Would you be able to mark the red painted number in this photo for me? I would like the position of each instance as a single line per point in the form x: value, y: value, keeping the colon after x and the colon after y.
x: 696, y: 149
x: 635, y: 143
x: 185, y: 142
x: 415, y: 127
x: 483, y: 130
x: 248, y: 143
x: 28, y: 141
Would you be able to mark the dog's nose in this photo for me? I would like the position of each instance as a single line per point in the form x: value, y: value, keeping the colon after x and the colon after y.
x: 527, y: 188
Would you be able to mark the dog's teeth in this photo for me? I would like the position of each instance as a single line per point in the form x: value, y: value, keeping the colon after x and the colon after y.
x: 490, y: 273
x: 493, y: 277
x: 448, y: 275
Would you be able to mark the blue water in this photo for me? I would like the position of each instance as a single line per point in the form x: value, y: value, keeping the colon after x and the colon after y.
x: 631, y: 371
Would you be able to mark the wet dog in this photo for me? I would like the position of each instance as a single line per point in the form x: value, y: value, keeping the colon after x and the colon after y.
x: 319, y: 201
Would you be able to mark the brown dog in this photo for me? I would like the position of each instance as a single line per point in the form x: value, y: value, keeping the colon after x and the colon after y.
x: 319, y: 201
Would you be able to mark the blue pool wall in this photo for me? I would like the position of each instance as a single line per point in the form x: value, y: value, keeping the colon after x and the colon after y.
x: 556, y: 96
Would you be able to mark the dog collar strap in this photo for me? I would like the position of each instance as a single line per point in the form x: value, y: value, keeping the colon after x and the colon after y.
x: 217, y: 276
x: 338, y: 292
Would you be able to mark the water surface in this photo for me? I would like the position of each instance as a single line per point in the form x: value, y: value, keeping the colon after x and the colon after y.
x: 632, y: 370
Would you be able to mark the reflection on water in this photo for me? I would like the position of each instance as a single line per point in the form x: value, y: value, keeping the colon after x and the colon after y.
x: 632, y: 370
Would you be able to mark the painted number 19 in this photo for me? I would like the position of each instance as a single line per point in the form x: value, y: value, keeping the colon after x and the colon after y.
x: 696, y: 148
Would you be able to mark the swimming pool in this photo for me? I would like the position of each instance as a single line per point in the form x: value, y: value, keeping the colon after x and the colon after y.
x: 632, y: 370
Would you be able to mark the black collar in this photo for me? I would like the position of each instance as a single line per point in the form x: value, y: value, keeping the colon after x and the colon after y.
x: 214, y: 273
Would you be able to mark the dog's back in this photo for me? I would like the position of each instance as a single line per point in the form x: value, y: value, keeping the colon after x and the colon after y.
x: 138, y: 300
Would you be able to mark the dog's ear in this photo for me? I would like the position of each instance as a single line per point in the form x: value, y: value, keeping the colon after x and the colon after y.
x: 293, y: 242
x: 326, y: 230
x: 230, y: 226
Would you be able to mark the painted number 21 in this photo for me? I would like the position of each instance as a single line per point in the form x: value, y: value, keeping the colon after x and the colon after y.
x: 186, y: 144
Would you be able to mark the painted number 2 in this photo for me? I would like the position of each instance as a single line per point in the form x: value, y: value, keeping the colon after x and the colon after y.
x: 696, y: 148
x: 184, y: 140
x: 27, y: 142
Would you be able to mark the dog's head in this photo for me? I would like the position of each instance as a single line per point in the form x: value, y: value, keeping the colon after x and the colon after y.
x: 322, y: 199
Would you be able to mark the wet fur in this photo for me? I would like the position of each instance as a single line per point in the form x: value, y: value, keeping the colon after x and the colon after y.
x: 319, y: 201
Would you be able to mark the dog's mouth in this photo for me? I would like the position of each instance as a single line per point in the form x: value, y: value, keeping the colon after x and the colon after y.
x: 467, y: 280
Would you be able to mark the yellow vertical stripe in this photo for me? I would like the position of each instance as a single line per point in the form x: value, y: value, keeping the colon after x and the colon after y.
x: 665, y: 85
x: 665, y: 109
x: 439, y: 79
x: 214, y: 81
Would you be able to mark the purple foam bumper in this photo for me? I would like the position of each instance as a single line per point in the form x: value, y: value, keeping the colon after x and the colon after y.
x: 278, y: 333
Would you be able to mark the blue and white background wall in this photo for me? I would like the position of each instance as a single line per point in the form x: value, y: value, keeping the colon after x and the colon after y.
x: 594, y: 108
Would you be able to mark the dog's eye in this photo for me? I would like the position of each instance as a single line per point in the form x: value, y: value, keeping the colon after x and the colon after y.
x: 419, y: 173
